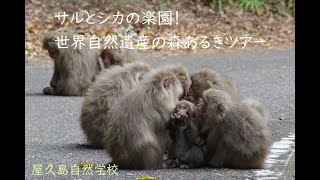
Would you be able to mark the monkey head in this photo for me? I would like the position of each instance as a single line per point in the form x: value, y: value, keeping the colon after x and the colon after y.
x: 183, y: 75
x: 112, y: 57
x: 107, y: 57
x: 215, y: 104
x: 183, y: 113
x: 200, y: 105
x: 138, y: 69
x: 163, y: 84
x: 50, y: 43
x: 203, y: 79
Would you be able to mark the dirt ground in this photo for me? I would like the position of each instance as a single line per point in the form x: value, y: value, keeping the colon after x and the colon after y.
x: 196, y: 19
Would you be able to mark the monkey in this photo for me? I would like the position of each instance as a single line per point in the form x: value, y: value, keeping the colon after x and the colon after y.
x: 136, y: 135
x: 98, y: 101
x: 183, y: 75
x: 185, y: 148
x: 253, y: 103
x: 118, y: 56
x: 239, y: 137
x: 109, y: 86
x: 74, y: 68
x: 206, y: 78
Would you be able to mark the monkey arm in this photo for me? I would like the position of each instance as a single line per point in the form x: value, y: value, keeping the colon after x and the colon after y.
x: 171, y: 128
x: 51, y: 90
x: 55, y: 78
x: 192, y: 136
x: 218, y: 157
x: 204, y: 131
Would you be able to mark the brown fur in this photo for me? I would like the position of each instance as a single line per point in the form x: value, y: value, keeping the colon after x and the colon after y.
x: 185, y: 148
x: 255, y: 104
x: 136, y: 137
x: 206, y: 78
x: 74, y: 69
x: 240, y: 137
x: 111, y: 84
x: 118, y: 56
x: 182, y: 74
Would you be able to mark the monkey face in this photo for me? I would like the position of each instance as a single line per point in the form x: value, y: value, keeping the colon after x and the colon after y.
x: 182, y: 109
x: 181, y: 115
x: 51, y: 45
x: 53, y: 52
x: 218, y: 103
x: 200, y: 105
x: 106, y: 56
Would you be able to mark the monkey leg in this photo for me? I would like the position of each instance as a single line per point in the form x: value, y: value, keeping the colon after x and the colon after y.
x: 172, y: 163
x: 198, y: 141
x: 186, y: 166
x: 218, y: 158
x: 49, y: 91
x: 147, y: 156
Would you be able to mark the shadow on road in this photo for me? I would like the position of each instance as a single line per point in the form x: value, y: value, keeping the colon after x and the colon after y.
x: 34, y: 94
x: 87, y: 146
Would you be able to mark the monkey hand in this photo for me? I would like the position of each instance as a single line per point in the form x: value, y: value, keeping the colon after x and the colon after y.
x: 184, y: 163
x: 171, y: 163
x: 49, y: 90
x: 181, y: 116
x: 173, y: 116
x: 198, y: 141
x: 184, y: 166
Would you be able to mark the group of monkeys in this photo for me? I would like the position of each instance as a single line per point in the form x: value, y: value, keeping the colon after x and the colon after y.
x: 152, y: 118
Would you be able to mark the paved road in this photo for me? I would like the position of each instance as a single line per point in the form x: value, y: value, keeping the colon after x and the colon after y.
x: 53, y: 134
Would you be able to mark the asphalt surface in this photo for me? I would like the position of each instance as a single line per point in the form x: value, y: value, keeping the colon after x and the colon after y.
x: 54, y: 137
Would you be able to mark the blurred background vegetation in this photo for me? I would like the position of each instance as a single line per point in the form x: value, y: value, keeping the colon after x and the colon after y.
x: 270, y: 20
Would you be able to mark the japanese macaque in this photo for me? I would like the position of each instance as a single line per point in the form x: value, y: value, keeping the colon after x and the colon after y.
x: 136, y: 136
x: 109, y: 86
x: 182, y: 74
x: 74, y: 68
x: 239, y: 136
x: 118, y: 56
x: 185, y: 148
x: 253, y: 103
x: 206, y: 78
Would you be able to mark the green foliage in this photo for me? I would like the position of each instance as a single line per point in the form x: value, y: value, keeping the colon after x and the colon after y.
x: 213, y: 3
x: 276, y: 6
x: 254, y: 5
x: 284, y: 6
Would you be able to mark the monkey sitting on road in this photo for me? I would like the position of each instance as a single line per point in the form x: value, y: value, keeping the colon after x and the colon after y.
x: 110, y: 86
x: 136, y: 136
x: 239, y: 136
x: 185, y: 149
x: 74, y: 68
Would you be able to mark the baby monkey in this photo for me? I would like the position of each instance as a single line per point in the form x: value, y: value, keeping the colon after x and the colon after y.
x: 185, y: 148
